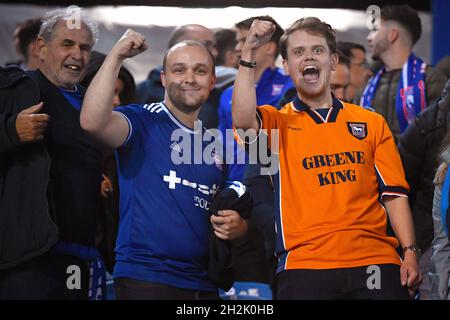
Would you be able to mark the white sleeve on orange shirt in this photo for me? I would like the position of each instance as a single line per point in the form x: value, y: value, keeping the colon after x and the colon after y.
x: 388, y: 164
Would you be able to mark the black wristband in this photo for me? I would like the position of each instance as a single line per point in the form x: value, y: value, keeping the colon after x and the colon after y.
x: 247, y: 64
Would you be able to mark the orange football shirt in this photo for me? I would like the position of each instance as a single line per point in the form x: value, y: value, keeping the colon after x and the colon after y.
x: 333, y: 174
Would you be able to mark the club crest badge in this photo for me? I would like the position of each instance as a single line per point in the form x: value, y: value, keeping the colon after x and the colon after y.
x: 277, y: 89
x: 357, y: 129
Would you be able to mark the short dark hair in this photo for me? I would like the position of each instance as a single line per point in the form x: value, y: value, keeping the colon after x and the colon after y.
x: 343, y: 59
x: 225, y: 41
x: 311, y: 25
x: 406, y: 16
x: 247, y: 23
x: 27, y: 33
x: 191, y: 43
x: 346, y: 48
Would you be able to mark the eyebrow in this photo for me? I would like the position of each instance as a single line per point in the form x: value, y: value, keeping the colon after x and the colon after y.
x: 313, y: 46
x: 181, y: 64
x: 69, y: 41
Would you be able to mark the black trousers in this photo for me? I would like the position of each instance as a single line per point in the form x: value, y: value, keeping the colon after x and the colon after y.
x: 48, y: 276
x: 131, y: 289
x: 379, y: 282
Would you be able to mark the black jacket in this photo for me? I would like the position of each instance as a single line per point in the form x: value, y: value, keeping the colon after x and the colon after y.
x: 419, y: 148
x: 26, y: 229
x: 75, y: 175
x: 385, y: 96
x: 220, y: 258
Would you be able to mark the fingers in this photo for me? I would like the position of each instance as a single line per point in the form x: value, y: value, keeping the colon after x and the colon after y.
x: 40, y: 117
x: 224, y: 217
x: 263, y: 28
x: 403, y: 275
x: 218, y: 220
x: 220, y: 235
x: 222, y: 231
x: 30, y: 126
x: 131, y: 44
x: 228, y: 225
x: 260, y: 33
x: 410, y: 276
x: 33, y: 109
x: 104, y: 189
x: 139, y: 40
x: 414, y: 278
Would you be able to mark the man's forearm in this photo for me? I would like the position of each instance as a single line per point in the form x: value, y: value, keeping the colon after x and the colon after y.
x: 401, y: 219
x: 98, y: 101
x: 244, y: 94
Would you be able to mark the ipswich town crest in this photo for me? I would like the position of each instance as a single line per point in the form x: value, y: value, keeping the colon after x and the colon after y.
x: 357, y: 129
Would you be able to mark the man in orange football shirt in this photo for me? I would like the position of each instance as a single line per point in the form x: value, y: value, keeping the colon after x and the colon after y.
x: 339, y: 172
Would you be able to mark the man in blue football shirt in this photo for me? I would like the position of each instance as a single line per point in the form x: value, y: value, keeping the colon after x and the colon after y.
x: 162, y: 245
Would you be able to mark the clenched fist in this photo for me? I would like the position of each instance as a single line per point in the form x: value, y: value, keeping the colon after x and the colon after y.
x: 30, y: 125
x: 259, y: 34
x: 131, y: 44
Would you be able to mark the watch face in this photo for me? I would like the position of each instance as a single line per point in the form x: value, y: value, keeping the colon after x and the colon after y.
x: 414, y: 248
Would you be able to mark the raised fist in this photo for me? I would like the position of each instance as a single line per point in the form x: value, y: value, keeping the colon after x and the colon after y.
x: 259, y: 34
x: 131, y: 44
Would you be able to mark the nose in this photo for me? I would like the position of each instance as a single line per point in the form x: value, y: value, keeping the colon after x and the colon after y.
x: 309, y: 55
x: 76, y: 53
x: 238, y: 47
x: 189, y: 76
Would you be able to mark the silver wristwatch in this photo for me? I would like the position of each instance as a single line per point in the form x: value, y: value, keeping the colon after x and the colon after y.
x: 414, y: 248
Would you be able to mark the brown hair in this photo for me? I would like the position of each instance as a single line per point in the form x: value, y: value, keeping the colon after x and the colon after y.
x: 311, y: 25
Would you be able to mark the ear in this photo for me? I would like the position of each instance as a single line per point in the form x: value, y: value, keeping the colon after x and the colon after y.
x: 271, y: 48
x: 285, y: 66
x: 42, y: 48
x: 230, y: 58
x: 393, y: 35
x: 163, y: 78
x: 213, y: 82
x: 334, y: 61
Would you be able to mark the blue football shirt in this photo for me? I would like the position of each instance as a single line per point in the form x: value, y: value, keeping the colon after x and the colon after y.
x: 164, y: 219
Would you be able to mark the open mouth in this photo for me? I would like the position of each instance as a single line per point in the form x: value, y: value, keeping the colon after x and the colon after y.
x: 73, y: 67
x: 311, y: 74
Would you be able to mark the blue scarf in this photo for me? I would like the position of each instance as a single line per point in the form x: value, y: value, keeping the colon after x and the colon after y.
x: 410, y: 100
